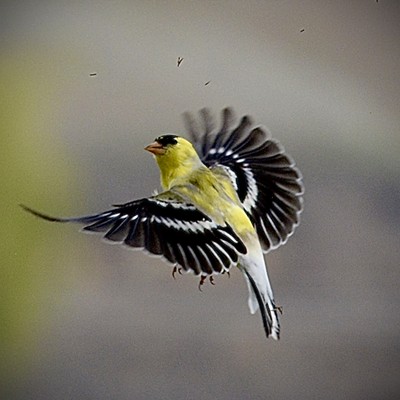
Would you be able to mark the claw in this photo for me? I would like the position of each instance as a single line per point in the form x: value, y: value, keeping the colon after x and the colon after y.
x: 175, y: 270
x: 226, y: 272
x: 278, y: 308
x: 202, y: 280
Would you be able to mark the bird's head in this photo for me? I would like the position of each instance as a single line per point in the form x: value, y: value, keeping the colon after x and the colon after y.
x: 175, y: 156
x: 163, y: 144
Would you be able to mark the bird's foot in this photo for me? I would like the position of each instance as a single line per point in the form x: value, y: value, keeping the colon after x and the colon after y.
x: 278, y: 308
x: 175, y: 270
x: 203, y: 278
x: 226, y: 272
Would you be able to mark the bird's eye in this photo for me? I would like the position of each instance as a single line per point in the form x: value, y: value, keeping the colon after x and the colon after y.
x: 165, y: 140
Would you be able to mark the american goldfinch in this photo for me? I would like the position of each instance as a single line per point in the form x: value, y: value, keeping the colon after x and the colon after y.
x: 229, y: 196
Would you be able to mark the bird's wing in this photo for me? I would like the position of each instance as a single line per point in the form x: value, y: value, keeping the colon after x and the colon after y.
x: 266, y: 180
x: 165, y: 226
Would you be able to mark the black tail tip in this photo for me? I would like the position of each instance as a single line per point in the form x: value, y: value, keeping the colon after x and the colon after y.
x: 41, y: 215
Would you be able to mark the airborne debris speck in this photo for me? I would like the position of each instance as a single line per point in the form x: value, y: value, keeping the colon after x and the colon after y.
x: 207, y: 83
x: 179, y: 61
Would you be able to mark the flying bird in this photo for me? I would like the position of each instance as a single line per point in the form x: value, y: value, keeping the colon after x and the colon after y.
x: 229, y: 196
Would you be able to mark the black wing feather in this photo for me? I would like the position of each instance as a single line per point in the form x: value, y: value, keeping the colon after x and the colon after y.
x: 267, y: 181
x: 175, y: 230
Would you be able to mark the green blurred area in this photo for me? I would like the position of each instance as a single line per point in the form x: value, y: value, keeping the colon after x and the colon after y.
x: 26, y: 135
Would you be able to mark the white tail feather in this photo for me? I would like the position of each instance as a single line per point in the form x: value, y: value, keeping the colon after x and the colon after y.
x: 260, y: 291
x: 253, y: 303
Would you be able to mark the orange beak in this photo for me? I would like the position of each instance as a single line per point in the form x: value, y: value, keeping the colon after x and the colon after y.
x: 156, y: 148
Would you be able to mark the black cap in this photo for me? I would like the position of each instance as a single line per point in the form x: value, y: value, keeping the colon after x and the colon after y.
x: 165, y: 140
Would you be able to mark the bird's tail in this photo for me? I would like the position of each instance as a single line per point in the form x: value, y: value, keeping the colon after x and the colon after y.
x: 268, y: 309
x: 261, y: 296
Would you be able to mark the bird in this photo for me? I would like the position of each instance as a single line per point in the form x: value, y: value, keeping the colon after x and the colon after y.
x: 229, y: 195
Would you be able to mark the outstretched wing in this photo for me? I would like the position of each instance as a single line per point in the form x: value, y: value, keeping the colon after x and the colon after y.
x: 167, y: 227
x: 267, y: 182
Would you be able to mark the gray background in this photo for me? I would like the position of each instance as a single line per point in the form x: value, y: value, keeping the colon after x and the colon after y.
x: 112, y: 323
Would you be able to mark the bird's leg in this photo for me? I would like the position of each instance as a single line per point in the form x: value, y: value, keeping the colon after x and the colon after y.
x: 202, y: 280
x: 278, y: 308
x: 226, y: 272
x: 175, y: 270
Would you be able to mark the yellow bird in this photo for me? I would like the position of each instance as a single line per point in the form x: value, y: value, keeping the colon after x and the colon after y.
x: 230, y: 195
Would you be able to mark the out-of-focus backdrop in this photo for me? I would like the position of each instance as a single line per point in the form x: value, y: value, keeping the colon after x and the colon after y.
x: 85, y: 86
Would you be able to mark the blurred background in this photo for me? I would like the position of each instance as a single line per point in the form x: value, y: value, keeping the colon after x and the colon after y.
x: 85, y: 85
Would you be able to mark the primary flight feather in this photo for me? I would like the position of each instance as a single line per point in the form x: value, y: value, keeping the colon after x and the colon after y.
x: 230, y: 195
